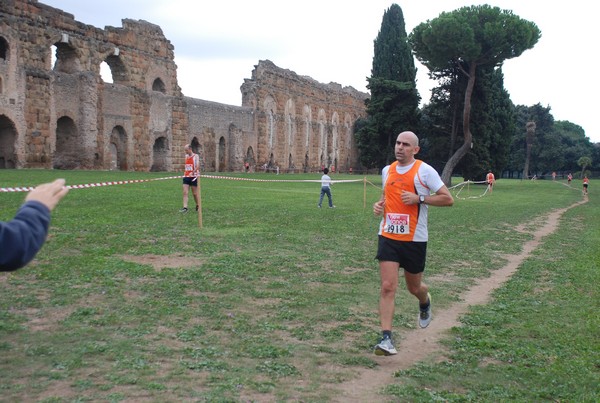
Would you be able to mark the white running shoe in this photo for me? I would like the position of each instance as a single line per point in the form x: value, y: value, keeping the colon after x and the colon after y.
x: 425, y: 316
x: 385, y: 347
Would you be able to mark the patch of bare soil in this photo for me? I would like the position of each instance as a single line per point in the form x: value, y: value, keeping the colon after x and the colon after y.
x: 162, y: 262
x: 420, y: 344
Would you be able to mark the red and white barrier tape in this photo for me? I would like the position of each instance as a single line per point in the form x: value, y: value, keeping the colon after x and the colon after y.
x: 462, y: 185
x: 278, y: 180
x: 101, y: 184
x: 88, y: 185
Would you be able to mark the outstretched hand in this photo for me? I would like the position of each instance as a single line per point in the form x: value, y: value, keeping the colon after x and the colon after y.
x: 49, y: 194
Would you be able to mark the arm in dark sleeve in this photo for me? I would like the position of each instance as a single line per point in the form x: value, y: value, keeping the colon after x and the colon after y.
x: 23, y: 236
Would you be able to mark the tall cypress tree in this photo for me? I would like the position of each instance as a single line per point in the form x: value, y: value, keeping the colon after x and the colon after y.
x: 394, y: 103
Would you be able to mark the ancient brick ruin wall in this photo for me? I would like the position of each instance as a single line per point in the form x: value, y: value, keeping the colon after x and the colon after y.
x: 217, y: 132
x: 65, y: 116
x: 302, y: 125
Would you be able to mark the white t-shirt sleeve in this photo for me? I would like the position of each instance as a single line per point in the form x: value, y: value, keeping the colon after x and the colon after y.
x: 430, y: 177
x: 384, y: 175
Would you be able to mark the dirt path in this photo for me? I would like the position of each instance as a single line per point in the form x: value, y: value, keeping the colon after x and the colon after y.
x: 419, y: 344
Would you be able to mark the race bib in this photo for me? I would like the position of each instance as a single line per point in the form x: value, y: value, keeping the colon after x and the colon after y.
x: 396, y: 223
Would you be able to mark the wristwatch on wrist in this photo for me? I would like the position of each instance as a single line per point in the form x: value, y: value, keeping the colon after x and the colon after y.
x: 421, y: 199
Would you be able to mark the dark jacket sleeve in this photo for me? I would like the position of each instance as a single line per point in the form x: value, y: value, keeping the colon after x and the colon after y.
x: 23, y: 236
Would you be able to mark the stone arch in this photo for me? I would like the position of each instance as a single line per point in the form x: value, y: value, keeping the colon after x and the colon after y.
x: 290, y: 129
x: 250, y: 159
x: 306, y: 162
x: 270, y: 107
x: 66, y: 57
x: 307, y: 136
x: 118, y: 70
x: 118, y: 148
x: 209, y: 147
x: 69, y: 149
x: 235, y: 149
x: 322, y: 136
x: 271, y: 161
x: 157, y: 79
x: 159, y: 86
x: 160, y: 154
x: 347, y: 139
x: 8, y: 137
x: 334, y: 146
x: 222, y: 155
x: 4, y: 48
x: 307, y: 120
x: 196, y: 145
x: 197, y: 149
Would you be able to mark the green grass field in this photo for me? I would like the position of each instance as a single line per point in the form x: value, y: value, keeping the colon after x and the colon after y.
x: 274, y: 299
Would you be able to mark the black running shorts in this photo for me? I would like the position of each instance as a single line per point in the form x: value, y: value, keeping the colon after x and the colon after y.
x: 410, y: 255
x: 188, y: 180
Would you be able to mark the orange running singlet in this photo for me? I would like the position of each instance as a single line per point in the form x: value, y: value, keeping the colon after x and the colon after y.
x: 400, y: 220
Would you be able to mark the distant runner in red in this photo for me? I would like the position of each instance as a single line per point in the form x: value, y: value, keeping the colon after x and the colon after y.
x: 490, y: 180
x: 190, y: 177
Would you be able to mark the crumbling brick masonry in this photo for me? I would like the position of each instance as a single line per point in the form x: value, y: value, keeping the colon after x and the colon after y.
x: 56, y: 111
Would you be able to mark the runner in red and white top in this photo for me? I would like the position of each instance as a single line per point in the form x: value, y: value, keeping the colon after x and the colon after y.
x: 190, y: 177
x: 490, y: 179
x: 586, y: 183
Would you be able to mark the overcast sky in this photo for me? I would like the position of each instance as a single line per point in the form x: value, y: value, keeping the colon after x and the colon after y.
x: 217, y: 43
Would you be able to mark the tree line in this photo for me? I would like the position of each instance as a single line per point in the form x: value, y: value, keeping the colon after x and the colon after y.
x: 470, y: 125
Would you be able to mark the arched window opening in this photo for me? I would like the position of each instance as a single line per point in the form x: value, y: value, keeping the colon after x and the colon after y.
x: 3, y: 48
x: 271, y: 128
x: 112, y: 70
x: 106, y: 73
x: 160, y: 155
x: 69, y: 148
x: 306, y: 132
x: 290, y: 129
x: 159, y: 86
x: 52, y: 56
x: 222, y: 155
x: 195, y: 144
x: 306, y: 162
x: 322, y: 143
x: 118, y: 148
x: 250, y: 157
x: 197, y: 149
x: 8, y: 136
x: 65, y: 58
